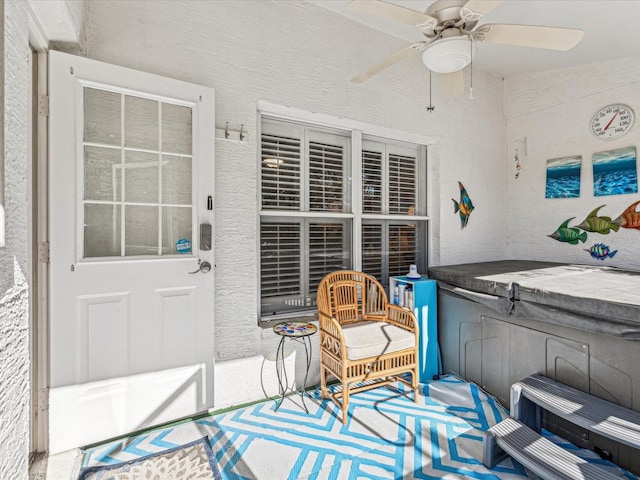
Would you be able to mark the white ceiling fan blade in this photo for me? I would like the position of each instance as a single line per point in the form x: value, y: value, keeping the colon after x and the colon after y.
x: 452, y: 84
x: 390, y: 11
x: 386, y: 63
x: 552, y: 38
x: 482, y: 6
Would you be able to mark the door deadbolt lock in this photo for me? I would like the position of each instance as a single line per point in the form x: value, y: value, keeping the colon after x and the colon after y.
x: 203, y: 267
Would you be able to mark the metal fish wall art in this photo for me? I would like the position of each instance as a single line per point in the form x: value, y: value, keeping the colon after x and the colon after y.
x: 629, y: 218
x: 594, y: 223
x: 464, y: 207
x: 571, y: 235
x: 600, y: 251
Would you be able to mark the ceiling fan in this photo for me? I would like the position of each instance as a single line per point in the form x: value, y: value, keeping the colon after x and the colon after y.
x: 451, y: 32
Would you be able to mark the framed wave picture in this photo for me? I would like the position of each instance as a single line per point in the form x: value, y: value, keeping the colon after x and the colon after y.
x: 615, y: 172
x: 563, y: 177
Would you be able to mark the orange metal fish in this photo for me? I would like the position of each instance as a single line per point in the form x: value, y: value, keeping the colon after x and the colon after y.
x: 629, y: 218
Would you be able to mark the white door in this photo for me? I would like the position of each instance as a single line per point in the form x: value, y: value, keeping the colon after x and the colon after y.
x: 131, y: 183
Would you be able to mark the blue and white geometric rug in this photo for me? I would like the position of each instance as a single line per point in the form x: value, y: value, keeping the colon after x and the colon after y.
x: 387, y: 436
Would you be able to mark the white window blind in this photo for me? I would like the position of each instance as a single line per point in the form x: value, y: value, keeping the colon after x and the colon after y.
x: 402, y: 184
x: 290, y: 273
x: 372, y: 250
x: 389, y: 247
x: 280, y: 170
x: 371, y: 181
x: 326, y: 189
x: 326, y: 251
x: 306, y: 217
x: 280, y: 259
x: 402, y: 248
x: 391, y: 183
x: 304, y: 173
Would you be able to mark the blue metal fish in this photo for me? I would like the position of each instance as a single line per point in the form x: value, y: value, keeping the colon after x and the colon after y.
x: 465, y: 207
x: 600, y: 251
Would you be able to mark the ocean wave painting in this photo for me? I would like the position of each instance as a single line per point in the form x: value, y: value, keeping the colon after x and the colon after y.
x: 615, y: 172
x: 563, y: 177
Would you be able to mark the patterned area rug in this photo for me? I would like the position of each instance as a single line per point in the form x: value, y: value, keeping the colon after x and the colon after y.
x: 193, y: 461
x: 387, y: 437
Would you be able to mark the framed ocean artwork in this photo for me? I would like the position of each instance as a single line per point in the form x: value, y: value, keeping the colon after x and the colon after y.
x: 615, y: 172
x: 563, y: 177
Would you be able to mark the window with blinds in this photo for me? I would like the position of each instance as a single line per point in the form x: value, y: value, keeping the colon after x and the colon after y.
x: 280, y: 172
x: 373, y: 247
x: 303, y: 170
x: 402, y: 248
x: 326, y: 174
x: 289, y: 273
x: 402, y: 184
x: 371, y: 181
x: 389, y: 247
x: 307, y: 221
x: 280, y: 259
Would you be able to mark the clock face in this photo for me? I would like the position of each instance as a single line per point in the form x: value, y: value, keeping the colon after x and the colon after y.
x: 612, y: 122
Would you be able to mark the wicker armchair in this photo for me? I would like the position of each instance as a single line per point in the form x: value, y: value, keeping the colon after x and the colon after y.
x: 365, y: 342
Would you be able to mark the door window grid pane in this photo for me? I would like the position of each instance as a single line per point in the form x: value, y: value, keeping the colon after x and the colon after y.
x: 141, y: 177
x: 102, y: 230
x: 102, y: 117
x: 102, y: 170
x: 142, y: 182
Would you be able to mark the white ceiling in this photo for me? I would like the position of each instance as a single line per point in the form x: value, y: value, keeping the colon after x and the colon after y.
x: 611, y: 31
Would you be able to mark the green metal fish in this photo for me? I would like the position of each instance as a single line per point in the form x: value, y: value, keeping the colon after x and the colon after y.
x: 593, y: 223
x: 568, y: 234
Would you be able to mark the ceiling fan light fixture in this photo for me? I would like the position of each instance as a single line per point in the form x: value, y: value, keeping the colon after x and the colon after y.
x: 449, y: 54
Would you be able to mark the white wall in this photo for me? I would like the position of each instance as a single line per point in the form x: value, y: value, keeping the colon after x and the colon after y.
x: 299, y: 55
x: 14, y: 291
x: 553, y: 110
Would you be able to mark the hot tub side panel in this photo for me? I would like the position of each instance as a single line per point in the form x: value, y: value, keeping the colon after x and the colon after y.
x: 496, y: 351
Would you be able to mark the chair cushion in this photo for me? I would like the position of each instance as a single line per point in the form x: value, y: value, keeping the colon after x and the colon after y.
x: 372, y: 338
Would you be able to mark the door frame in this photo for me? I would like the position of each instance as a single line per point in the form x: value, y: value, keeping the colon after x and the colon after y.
x: 38, y: 239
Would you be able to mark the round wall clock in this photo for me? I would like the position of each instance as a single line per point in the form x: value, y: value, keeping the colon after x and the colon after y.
x: 612, y: 121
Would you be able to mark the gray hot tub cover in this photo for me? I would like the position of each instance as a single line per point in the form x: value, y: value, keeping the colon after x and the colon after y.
x: 600, y: 299
x: 501, y: 305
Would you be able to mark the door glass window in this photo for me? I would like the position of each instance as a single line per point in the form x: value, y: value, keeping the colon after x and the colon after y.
x: 137, y: 167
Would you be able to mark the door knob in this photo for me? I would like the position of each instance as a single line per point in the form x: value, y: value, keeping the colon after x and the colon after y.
x: 203, y: 267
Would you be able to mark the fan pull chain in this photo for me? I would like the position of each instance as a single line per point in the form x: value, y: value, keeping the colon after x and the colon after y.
x: 430, y: 108
x: 471, y: 68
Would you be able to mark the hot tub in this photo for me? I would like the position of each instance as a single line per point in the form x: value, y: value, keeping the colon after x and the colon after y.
x: 499, y: 322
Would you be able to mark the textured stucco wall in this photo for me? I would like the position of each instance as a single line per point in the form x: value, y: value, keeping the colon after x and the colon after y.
x: 299, y: 55
x: 14, y: 292
x: 553, y: 110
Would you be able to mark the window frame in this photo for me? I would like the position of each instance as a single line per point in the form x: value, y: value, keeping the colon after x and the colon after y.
x: 81, y: 144
x: 359, y: 132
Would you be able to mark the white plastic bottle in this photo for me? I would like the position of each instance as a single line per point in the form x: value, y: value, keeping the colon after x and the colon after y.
x: 401, y: 290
